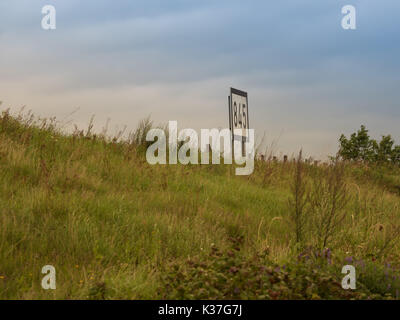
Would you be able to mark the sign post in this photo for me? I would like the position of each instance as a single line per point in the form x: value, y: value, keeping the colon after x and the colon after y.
x: 239, y: 117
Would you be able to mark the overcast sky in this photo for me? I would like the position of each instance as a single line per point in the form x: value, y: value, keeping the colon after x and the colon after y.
x: 308, y: 79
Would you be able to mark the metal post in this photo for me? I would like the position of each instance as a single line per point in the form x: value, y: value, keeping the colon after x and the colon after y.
x: 230, y: 126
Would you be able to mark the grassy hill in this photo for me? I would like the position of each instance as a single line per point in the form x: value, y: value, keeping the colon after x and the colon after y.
x: 115, y: 227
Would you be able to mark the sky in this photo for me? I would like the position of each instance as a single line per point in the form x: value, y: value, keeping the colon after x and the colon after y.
x: 308, y: 79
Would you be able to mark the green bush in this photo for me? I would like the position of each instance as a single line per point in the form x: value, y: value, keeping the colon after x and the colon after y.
x: 359, y: 147
x: 230, y: 275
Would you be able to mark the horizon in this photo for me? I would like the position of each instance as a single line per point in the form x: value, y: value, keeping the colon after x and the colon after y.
x: 308, y: 80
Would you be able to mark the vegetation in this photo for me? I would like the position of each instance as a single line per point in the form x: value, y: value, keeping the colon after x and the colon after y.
x: 360, y: 147
x: 115, y: 227
x: 313, y: 275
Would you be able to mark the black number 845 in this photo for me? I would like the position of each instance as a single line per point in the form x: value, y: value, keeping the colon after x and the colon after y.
x: 239, y: 115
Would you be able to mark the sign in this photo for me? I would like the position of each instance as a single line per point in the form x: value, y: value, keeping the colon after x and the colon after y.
x: 238, y: 113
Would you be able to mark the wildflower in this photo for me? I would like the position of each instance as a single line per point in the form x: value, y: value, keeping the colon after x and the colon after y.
x: 328, y: 253
x: 349, y: 259
x: 361, y: 263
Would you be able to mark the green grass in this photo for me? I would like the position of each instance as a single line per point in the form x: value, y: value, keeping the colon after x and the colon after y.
x: 110, y: 223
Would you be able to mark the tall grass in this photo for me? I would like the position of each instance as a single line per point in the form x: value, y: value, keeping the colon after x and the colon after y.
x: 108, y: 221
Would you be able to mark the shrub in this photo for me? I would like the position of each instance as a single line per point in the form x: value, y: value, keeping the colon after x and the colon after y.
x: 230, y: 275
x: 359, y: 147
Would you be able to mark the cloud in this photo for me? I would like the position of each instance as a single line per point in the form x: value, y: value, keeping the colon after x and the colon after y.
x: 306, y: 76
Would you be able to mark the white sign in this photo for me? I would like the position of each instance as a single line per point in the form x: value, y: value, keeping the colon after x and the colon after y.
x: 238, y: 112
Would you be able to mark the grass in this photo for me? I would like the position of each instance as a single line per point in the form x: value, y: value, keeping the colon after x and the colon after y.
x: 111, y: 224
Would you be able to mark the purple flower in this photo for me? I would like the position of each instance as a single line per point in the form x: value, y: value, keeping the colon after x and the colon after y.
x: 349, y: 259
x: 328, y: 253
